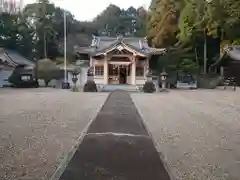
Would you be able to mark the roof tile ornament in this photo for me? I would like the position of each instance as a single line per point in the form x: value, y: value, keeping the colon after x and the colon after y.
x: 90, y: 72
x: 149, y: 73
x: 120, y: 37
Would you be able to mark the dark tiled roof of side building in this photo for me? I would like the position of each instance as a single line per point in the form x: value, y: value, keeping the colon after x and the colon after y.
x: 16, y: 57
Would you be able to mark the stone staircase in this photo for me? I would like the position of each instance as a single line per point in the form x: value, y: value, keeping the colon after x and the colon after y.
x: 113, y: 87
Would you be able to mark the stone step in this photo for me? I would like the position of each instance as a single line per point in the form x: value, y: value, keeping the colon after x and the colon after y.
x: 128, y: 88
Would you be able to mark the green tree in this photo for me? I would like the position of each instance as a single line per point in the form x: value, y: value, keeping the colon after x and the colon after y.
x: 40, y: 16
x: 47, y: 22
x: 162, y: 23
x: 8, y: 30
x: 113, y: 21
x: 188, y: 66
x: 15, y: 34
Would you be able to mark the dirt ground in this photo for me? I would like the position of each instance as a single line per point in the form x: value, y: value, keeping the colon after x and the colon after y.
x: 196, y: 131
x: 38, y: 127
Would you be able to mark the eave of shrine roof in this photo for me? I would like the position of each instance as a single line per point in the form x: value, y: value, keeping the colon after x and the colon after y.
x: 231, y: 51
x: 103, y: 44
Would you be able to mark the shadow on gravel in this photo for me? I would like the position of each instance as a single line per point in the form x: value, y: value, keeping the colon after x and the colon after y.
x: 108, y: 156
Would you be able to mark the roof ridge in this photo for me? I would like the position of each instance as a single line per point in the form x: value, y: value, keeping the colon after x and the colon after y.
x: 1, y: 49
x: 105, y: 37
x: 124, y: 37
x: 134, y: 38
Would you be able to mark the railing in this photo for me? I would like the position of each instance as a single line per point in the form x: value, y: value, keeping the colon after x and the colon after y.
x: 229, y: 81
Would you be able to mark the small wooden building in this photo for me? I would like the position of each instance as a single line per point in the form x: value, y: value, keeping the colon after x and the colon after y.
x: 118, y: 60
x: 9, y: 60
x: 229, y: 63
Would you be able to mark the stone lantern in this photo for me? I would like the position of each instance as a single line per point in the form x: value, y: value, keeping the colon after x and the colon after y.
x: 164, y: 81
x: 149, y: 76
x: 75, y: 79
x: 90, y: 74
x: 66, y: 85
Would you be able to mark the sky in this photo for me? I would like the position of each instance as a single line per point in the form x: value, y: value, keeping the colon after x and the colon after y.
x: 88, y: 9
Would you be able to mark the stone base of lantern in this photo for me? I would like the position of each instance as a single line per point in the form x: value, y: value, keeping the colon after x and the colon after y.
x: 75, y: 89
x: 90, y: 78
x: 66, y: 85
x: 163, y: 90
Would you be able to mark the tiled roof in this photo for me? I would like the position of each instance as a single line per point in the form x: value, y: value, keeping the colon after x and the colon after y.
x: 16, y: 57
x: 233, y: 52
x: 102, y: 43
x: 1, y: 49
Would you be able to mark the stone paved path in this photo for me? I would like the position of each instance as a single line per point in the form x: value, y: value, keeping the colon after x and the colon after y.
x: 116, y: 147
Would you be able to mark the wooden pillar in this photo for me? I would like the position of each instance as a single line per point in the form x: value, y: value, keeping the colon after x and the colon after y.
x: 146, y: 67
x: 105, y: 69
x: 133, y: 70
x: 91, y: 61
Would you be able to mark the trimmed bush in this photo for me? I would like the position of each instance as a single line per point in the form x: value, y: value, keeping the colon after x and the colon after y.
x: 209, y: 82
x: 48, y: 70
x: 149, y: 87
x: 90, y: 86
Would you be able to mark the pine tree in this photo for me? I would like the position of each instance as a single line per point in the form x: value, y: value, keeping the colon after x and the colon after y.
x: 163, y: 19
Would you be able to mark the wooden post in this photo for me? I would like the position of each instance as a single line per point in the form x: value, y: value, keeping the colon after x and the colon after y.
x: 222, y: 71
x: 105, y: 69
x: 133, y: 70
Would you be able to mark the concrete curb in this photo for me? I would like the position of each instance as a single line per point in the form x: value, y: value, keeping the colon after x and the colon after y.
x: 62, y: 166
x: 162, y: 157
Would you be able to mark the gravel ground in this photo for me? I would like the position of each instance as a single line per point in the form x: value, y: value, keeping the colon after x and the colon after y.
x: 197, y: 131
x: 38, y: 127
